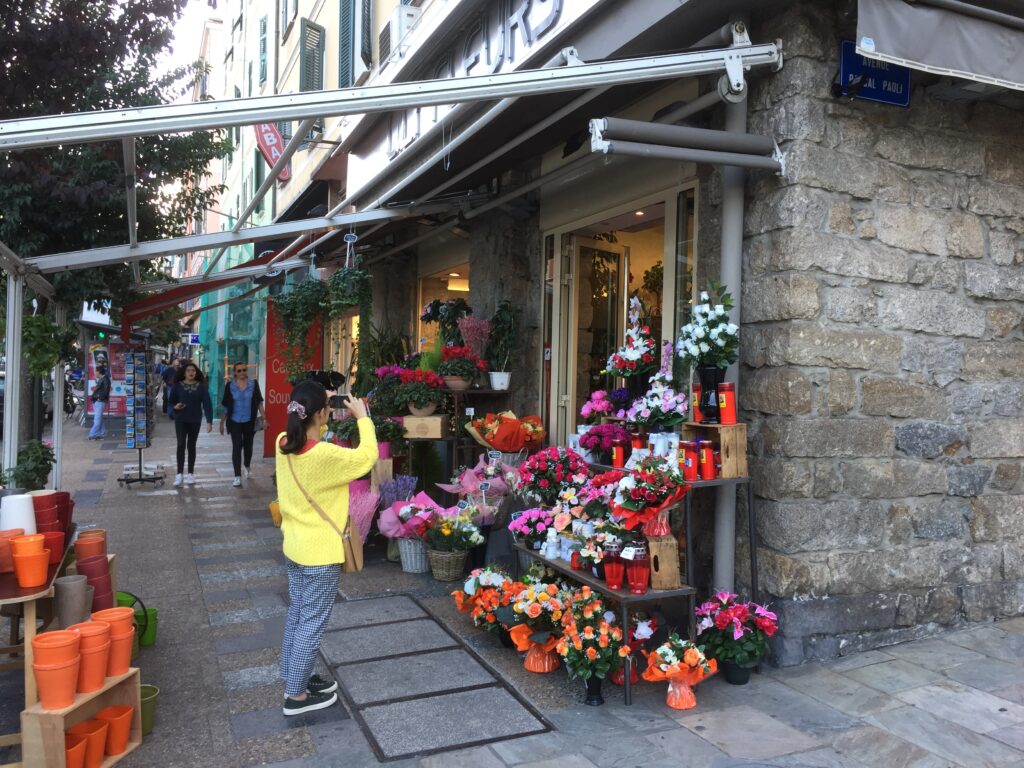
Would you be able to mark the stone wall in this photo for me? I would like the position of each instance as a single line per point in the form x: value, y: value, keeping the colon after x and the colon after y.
x: 882, y: 353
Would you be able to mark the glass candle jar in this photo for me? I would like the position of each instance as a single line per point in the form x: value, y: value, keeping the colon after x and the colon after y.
x: 638, y: 567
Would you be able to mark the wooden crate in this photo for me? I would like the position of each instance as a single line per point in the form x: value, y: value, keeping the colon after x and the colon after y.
x: 427, y: 427
x: 732, y: 444
x: 42, y: 730
x: 664, y: 554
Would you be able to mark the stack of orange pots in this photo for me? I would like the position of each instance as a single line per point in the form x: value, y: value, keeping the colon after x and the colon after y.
x: 31, y: 560
x: 56, y: 660
x: 122, y: 632
x: 95, y: 651
x: 6, y: 561
x: 95, y: 734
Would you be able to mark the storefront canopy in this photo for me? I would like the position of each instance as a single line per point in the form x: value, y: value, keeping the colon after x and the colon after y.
x: 981, y: 40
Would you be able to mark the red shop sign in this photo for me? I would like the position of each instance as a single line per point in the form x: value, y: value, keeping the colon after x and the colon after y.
x: 271, y: 145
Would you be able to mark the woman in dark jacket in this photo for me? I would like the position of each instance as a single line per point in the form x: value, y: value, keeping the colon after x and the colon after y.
x: 242, y: 401
x: 188, y: 401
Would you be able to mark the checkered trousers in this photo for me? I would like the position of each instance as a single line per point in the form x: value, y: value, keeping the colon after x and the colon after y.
x: 311, y: 589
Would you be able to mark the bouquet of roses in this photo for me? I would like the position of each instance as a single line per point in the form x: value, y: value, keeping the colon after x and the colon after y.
x: 506, y: 433
x: 541, y: 608
x: 646, y: 492
x: 531, y: 526
x: 597, y: 406
x: 709, y: 339
x: 735, y: 631
x: 601, y: 437
x: 637, y: 357
x: 662, y: 407
x: 486, y: 591
x: 590, y: 644
x: 407, y: 519
x: 546, y: 474
x: 461, y: 362
x: 451, y: 534
x: 421, y: 388
x: 684, y: 665
x: 497, y: 475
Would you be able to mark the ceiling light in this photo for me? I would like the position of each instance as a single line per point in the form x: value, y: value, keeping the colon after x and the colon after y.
x: 639, y: 213
x: 454, y: 274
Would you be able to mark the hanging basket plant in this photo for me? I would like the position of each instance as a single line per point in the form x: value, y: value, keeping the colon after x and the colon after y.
x: 44, y: 344
x: 298, y: 311
x: 349, y: 288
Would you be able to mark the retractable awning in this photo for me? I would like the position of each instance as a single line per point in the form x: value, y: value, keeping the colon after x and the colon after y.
x: 981, y: 40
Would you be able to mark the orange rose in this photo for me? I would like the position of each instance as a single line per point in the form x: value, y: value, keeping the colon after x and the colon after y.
x: 585, y: 591
x: 592, y: 654
x: 552, y: 590
x: 588, y: 632
x: 602, y: 641
x: 491, y: 618
x: 624, y: 651
x: 534, y: 610
x: 577, y: 643
x: 691, y: 657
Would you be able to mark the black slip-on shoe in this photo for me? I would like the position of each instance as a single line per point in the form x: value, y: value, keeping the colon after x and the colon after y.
x: 311, y: 703
x: 318, y: 684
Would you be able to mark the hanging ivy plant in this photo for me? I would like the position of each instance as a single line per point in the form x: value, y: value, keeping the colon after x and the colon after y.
x: 298, y: 311
x: 349, y: 289
x: 41, y: 342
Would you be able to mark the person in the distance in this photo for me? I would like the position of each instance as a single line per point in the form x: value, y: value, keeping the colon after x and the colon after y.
x: 189, y: 401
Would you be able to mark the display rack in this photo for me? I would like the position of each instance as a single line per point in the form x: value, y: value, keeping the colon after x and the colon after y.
x: 139, y: 419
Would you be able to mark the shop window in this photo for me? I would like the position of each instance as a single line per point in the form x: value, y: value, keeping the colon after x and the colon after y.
x: 452, y: 283
x: 686, y: 256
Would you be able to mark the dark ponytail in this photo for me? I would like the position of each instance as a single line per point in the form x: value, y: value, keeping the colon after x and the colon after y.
x: 313, y: 399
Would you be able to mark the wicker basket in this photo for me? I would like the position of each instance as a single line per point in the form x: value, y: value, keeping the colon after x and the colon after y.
x: 447, y: 566
x: 413, y: 554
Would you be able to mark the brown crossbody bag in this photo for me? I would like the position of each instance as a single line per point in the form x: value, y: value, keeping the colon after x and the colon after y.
x: 352, y: 543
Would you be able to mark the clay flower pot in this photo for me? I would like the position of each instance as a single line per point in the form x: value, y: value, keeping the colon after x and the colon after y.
x: 101, y: 583
x: 101, y: 601
x: 54, y: 541
x: 6, y: 561
x: 93, y: 566
x: 120, y: 653
x: 74, y: 750
x: 56, y: 647
x: 95, y: 733
x: 93, y: 633
x: 101, y: 532
x: 120, y: 619
x: 427, y: 410
x: 90, y: 547
x: 57, y: 683
x: 456, y: 383
x: 93, y: 669
x: 26, y: 545
x: 120, y: 723
x: 31, y: 570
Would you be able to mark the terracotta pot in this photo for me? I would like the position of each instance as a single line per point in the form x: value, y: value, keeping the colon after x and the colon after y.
x: 31, y: 570
x: 74, y: 750
x: 427, y: 410
x: 90, y: 547
x: 93, y: 566
x: 539, y: 660
x: 120, y: 721
x: 101, y: 532
x: 120, y: 652
x: 457, y: 383
x: 57, y: 683
x: 6, y: 561
x: 55, y: 647
x: 120, y: 619
x: 54, y: 541
x: 25, y: 545
x: 93, y: 669
x: 102, y: 583
x: 93, y: 634
x: 95, y: 732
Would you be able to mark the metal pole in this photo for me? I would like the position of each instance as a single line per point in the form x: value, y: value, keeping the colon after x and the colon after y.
x: 684, y: 136
x: 686, y: 155
x: 61, y: 313
x: 12, y: 387
x: 724, y: 572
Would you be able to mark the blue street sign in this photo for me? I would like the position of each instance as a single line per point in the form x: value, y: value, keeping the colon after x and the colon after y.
x: 194, y: 340
x: 872, y: 80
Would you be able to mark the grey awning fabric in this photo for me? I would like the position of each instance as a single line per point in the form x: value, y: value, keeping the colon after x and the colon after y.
x: 981, y: 40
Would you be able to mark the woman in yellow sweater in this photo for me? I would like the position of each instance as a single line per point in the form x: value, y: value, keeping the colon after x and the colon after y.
x: 309, y: 469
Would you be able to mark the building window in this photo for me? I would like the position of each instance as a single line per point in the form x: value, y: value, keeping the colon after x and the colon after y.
x: 311, y: 64
x: 263, y: 50
x: 260, y: 175
x: 289, y: 10
x: 250, y: 79
x: 346, y: 38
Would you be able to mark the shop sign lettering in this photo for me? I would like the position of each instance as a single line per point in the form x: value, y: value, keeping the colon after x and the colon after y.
x: 271, y: 145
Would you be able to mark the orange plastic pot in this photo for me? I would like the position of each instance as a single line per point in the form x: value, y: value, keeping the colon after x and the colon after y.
x: 6, y: 561
x: 54, y: 541
x: 120, y: 725
x: 90, y: 547
x: 25, y: 545
x: 55, y: 647
x: 57, y: 683
x: 95, y: 733
x: 92, y: 532
x: 120, y: 653
x: 74, y: 750
x: 120, y: 619
x: 93, y: 633
x: 93, y: 669
x: 31, y: 570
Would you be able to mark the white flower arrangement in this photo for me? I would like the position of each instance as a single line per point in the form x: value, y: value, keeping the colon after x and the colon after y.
x: 637, y: 356
x: 709, y: 339
x: 662, y: 407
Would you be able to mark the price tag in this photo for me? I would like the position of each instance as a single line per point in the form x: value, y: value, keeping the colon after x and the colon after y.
x: 471, y: 411
x: 628, y: 553
x: 485, y: 486
x: 462, y: 504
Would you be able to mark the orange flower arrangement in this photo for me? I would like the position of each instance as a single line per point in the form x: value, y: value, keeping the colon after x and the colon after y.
x: 590, y: 645
x: 683, y: 665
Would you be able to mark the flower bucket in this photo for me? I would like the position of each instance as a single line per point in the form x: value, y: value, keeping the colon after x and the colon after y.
x: 525, y: 560
x: 594, y: 697
x: 93, y: 669
x: 500, y: 380
x: 413, y: 554
x: 74, y: 750
x: 119, y: 720
x: 31, y: 570
x: 734, y: 674
x: 149, y: 694
x: 57, y: 683
x: 447, y: 566
x: 147, y: 621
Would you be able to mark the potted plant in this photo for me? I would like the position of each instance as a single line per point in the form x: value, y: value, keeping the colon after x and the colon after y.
x: 591, y: 647
x: 636, y: 359
x: 35, y: 461
x: 501, y: 344
x: 709, y: 344
x: 420, y: 391
x: 298, y: 311
x: 447, y: 314
x: 384, y: 398
x: 390, y: 435
x: 459, y: 367
x: 449, y: 540
x: 683, y: 665
x: 736, y: 634
x: 530, y: 527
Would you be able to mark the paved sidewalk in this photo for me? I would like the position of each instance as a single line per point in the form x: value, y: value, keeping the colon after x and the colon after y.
x: 208, y: 559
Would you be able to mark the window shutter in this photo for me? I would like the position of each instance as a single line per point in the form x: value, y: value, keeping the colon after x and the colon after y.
x: 259, y: 176
x: 284, y: 19
x: 263, y: 50
x: 311, y: 71
x: 250, y: 78
x: 366, y: 38
x: 346, y: 35
x: 285, y: 129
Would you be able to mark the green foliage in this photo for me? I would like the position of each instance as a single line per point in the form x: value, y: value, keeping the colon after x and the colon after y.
x: 501, y: 346
x: 42, y: 344
x: 349, y: 288
x: 34, y: 463
x: 378, y: 346
x: 419, y: 394
x: 298, y: 311
x: 388, y: 431
x: 430, y: 359
x: 462, y: 367
x: 447, y: 314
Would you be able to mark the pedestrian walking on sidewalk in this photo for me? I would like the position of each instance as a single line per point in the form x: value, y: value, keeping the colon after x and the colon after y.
x: 242, y: 402
x: 312, y: 485
x: 189, y: 401
x: 100, y: 395
x: 168, y: 374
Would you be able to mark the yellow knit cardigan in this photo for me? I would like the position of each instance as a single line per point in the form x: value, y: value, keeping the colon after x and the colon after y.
x: 325, y: 472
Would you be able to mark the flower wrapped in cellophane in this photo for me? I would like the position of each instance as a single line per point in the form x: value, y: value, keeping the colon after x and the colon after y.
x: 683, y: 665
x: 407, y: 519
x: 506, y: 432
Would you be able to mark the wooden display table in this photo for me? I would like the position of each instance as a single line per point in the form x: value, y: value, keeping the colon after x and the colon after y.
x: 623, y: 597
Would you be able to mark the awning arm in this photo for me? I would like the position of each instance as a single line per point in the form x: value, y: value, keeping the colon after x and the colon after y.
x: 131, y: 197
x: 13, y: 264
x: 240, y: 272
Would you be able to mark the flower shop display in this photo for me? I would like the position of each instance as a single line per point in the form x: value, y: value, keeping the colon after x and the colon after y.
x: 661, y: 408
x: 459, y: 367
x: 384, y: 398
x: 597, y: 405
x: 501, y: 344
x: 506, y: 433
x: 709, y: 344
x: 683, y: 665
x: 548, y: 473
x: 601, y: 439
x: 531, y: 527
x: 447, y: 314
x: 591, y: 646
x: 406, y: 521
x: 645, y: 494
x: 636, y: 359
x: 735, y: 633
x: 542, y: 608
x: 449, y: 539
x: 483, y: 485
x: 420, y: 391
x: 641, y: 629
x: 487, y: 597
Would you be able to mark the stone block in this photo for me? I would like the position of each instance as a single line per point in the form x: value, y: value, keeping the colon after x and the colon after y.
x: 985, y: 360
x: 852, y: 174
x: 835, y: 614
x: 994, y: 282
x: 782, y: 391
x: 792, y: 206
x: 842, y: 392
x: 804, y: 249
x: 885, y: 570
x: 785, y: 575
x: 928, y: 439
x: 425, y: 673
x: 942, y: 360
x: 929, y: 311
x: 818, y: 438
x: 780, y: 297
x: 812, y: 345
x: 1003, y: 321
x: 925, y: 149
x: 840, y: 218
x: 925, y: 230
x: 1006, y: 476
x: 967, y: 479
x: 998, y: 438
x: 991, y: 199
x: 983, y: 602
x: 896, y: 397
x: 940, y: 519
x: 849, y: 305
x: 782, y: 478
x: 997, y: 518
x: 935, y: 190
x: 899, y: 528
x: 812, y: 526
x: 1002, y: 166
x: 868, y: 479
x: 793, y: 118
x: 1004, y: 248
x: 919, y: 478
x: 976, y: 400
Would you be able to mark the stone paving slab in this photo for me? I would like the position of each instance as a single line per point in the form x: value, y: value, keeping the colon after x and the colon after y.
x: 360, y: 613
x: 745, y: 732
x: 385, y: 679
x: 375, y: 642
x: 263, y: 722
x: 443, y: 722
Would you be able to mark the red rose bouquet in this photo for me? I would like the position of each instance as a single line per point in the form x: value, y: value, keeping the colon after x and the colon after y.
x: 646, y: 492
x: 548, y: 473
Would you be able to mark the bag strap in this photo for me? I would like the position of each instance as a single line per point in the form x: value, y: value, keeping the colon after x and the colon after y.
x: 313, y: 503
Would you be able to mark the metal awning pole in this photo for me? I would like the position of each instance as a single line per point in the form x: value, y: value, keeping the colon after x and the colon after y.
x: 240, y: 272
x: 12, y: 368
x: 59, y: 382
x: 686, y: 155
x: 131, y: 198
